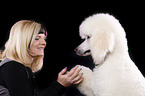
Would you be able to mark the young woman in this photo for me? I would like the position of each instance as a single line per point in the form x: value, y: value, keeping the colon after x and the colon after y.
x: 25, y: 49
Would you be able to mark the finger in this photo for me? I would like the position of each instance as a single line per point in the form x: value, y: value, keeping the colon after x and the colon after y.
x: 72, y: 71
x: 78, y: 77
x: 63, y: 71
x: 76, y: 73
x: 79, y: 81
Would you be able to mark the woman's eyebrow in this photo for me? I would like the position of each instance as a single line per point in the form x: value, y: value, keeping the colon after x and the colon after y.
x: 41, y: 36
x: 41, y: 32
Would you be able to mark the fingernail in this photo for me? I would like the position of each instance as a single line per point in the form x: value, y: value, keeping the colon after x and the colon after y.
x: 73, y: 81
x: 65, y: 68
x: 80, y: 68
x: 82, y: 73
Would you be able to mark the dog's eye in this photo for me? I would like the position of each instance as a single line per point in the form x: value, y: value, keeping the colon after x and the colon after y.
x: 88, y: 37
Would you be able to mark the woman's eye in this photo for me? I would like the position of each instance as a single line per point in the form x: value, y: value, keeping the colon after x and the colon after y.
x: 37, y: 38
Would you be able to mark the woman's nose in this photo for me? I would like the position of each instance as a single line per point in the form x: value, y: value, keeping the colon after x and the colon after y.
x: 43, y: 42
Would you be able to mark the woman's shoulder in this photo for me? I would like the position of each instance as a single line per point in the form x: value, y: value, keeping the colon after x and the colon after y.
x: 12, y: 67
x: 13, y: 64
x: 13, y: 74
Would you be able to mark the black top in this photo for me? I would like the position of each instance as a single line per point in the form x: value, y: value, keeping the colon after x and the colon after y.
x: 13, y: 75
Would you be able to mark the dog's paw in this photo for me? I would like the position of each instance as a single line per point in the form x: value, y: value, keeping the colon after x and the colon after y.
x: 85, y: 85
x: 87, y: 74
x: 85, y: 70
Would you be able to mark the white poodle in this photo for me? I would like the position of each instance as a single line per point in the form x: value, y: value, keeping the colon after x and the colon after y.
x: 115, y: 73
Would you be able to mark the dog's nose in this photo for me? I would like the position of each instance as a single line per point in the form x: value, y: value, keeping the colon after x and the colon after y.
x: 75, y: 50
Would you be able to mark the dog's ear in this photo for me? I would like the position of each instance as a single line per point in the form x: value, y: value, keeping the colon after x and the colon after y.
x: 101, y: 43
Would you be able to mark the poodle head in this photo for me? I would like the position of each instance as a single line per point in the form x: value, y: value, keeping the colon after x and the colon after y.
x: 99, y: 34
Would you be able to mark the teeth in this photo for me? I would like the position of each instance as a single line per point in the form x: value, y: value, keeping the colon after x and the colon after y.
x: 41, y: 49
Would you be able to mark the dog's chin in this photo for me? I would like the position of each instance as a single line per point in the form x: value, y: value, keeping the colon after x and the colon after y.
x: 84, y: 54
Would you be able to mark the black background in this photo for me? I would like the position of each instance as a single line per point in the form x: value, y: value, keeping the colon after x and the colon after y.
x: 62, y: 20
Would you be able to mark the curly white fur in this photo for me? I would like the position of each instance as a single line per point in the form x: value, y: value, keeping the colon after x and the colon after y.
x: 116, y: 74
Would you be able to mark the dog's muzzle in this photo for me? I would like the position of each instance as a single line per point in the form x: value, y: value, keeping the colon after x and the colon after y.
x: 82, y: 53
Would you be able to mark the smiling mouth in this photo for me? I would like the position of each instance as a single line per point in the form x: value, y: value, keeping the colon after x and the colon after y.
x: 41, y: 48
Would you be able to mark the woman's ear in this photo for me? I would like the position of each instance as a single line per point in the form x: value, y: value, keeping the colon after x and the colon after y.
x: 101, y: 43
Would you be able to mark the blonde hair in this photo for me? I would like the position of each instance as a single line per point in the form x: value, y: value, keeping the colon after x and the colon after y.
x: 22, y: 34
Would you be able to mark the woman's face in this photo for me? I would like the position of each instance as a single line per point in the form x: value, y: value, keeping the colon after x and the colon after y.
x: 37, y: 47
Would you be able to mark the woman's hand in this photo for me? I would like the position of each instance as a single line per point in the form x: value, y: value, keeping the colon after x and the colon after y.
x: 69, y: 78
